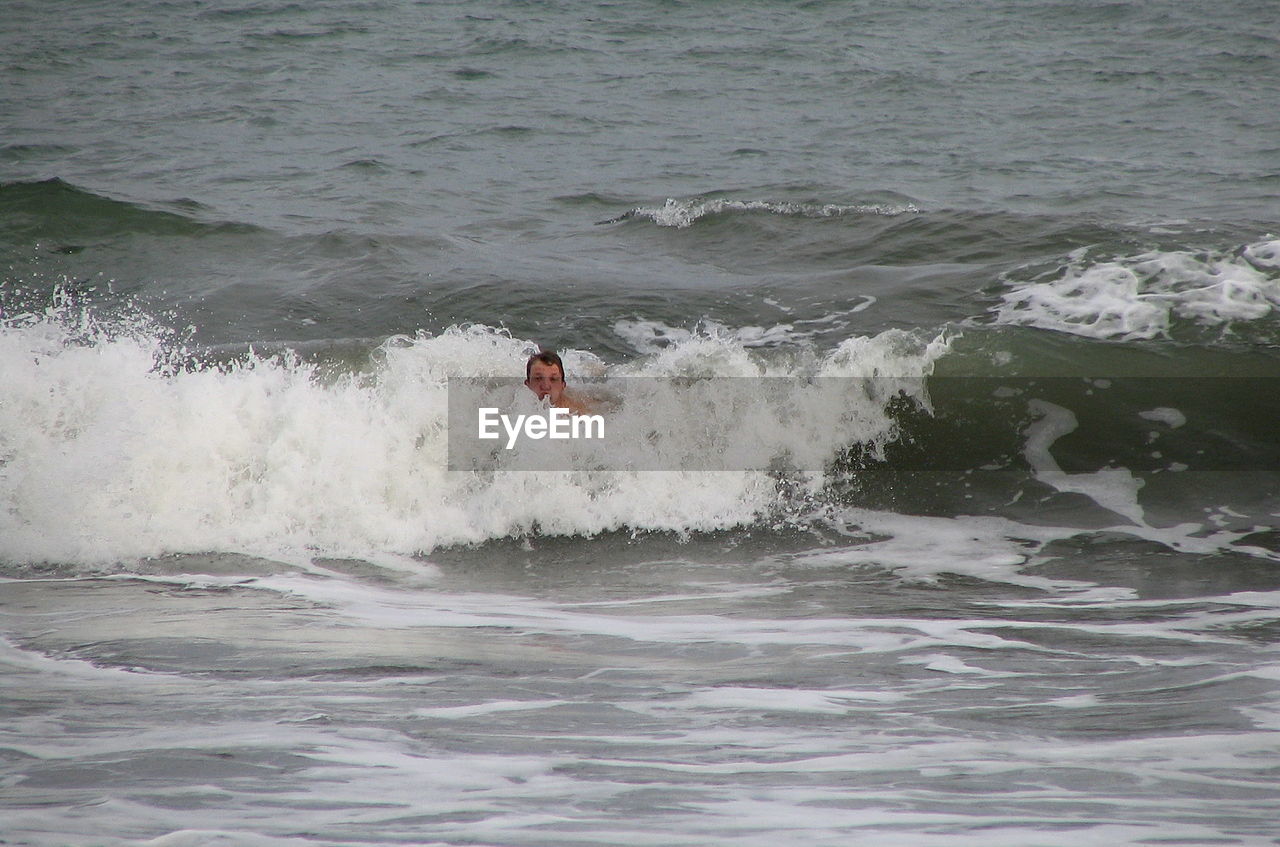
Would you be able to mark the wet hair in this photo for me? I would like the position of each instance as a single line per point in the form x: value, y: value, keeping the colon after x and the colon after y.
x: 547, y: 357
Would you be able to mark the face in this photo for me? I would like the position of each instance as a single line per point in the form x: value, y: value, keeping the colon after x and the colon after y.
x: 546, y: 381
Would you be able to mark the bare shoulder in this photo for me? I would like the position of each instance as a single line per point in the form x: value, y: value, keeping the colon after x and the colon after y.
x: 577, y: 405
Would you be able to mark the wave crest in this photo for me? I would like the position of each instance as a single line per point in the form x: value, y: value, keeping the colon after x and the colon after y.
x: 106, y: 455
x: 684, y: 213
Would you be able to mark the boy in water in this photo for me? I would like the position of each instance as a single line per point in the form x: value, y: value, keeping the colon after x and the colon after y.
x: 544, y: 376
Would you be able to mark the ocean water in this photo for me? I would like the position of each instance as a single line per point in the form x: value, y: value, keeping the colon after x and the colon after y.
x: 1001, y: 566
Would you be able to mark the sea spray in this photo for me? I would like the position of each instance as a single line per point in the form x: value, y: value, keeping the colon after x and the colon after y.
x: 107, y: 456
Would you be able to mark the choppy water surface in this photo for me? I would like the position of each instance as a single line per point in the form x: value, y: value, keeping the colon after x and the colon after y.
x: 616, y: 691
x: 1017, y: 585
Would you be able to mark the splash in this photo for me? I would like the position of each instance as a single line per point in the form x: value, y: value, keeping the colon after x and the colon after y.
x: 110, y: 452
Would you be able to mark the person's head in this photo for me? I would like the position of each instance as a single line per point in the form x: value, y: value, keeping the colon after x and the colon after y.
x: 544, y: 375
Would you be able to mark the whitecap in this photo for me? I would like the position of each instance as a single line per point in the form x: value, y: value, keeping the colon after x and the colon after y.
x: 1143, y: 296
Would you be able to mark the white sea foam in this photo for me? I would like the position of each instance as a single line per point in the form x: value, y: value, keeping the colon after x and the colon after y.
x: 16, y: 662
x: 1171, y: 418
x: 1140, y: 297
x: 915, y: 640
x: 741, y: 698
x: 485, y: 709
x: 105, y: 457
x: 1114, y: 489
x: 219, y: 838
x: 684, y: 213
x: 648, y: 336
